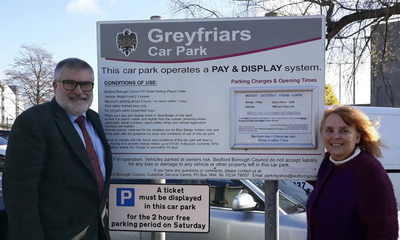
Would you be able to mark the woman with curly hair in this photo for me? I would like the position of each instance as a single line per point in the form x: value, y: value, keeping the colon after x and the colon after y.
x: 353, y: 198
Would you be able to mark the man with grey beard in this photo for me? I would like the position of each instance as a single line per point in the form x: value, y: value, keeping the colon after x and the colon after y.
x: 58, y: 165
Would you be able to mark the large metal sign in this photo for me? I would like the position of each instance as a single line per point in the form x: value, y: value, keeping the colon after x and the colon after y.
x: 229, y: 98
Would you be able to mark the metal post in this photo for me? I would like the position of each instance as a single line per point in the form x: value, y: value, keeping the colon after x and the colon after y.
x: 271, y: 210
x: 271, y: 198
x: 158, y: 235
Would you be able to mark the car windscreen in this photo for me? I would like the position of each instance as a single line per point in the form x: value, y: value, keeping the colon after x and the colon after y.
x: 292, y: 199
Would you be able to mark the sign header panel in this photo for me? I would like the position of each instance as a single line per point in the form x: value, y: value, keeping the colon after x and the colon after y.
x: 193, y: 40
x: 229, y: 98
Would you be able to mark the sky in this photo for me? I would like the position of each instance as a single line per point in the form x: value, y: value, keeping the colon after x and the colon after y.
x: 65, y: 28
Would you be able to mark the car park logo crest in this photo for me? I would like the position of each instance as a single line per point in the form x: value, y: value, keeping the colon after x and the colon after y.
x: 127, y: 42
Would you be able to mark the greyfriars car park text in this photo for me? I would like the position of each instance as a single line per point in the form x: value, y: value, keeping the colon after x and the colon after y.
x: 196, y: 99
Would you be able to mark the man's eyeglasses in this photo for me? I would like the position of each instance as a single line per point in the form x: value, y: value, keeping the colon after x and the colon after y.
x: 70, y: 85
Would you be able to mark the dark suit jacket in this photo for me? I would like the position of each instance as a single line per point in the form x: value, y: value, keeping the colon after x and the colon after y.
x: 49, y: 186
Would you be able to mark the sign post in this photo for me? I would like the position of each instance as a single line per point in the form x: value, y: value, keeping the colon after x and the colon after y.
x: 158, y: 235
x: 271, y: 210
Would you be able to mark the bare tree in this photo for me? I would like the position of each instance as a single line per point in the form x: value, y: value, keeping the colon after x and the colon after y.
x: 349, y: 23
x: 344, y: 18
x: 32, y: 73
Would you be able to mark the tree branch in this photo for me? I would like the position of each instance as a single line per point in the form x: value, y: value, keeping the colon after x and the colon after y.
x: 334, y: 28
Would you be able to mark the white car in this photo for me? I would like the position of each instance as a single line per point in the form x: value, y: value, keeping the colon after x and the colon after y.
x: 3, y: 147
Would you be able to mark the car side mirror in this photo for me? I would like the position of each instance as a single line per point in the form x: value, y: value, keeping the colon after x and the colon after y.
x: 243, y: 201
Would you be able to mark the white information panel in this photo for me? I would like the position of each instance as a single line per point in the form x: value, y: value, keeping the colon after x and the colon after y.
x: 223, y: 98
x: 273, y: 118
x: 159, y: 207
